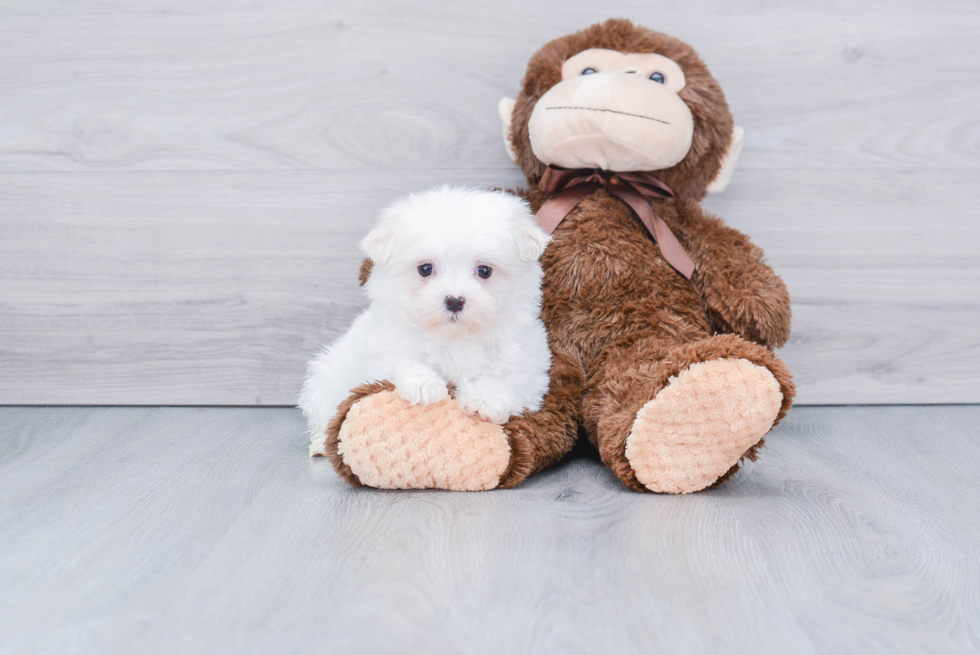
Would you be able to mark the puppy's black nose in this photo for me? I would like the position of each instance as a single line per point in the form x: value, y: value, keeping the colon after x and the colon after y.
x: 455, y: 303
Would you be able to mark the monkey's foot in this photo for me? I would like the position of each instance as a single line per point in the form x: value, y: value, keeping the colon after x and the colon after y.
x: 379, y: 440
x: 701, y: 424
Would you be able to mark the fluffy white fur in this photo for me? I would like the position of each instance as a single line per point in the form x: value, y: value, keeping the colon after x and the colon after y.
x: 494, y: 351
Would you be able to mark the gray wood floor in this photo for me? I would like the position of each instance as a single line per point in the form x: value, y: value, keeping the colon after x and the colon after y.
x: 182, y: 183
x: 187, y: 530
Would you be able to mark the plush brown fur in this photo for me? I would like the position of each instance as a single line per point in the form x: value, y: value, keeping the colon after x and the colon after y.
x: 365, y: 272
x: 621, y: 320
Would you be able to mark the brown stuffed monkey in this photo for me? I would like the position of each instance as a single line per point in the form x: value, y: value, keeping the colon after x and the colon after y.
x: 661, y: 319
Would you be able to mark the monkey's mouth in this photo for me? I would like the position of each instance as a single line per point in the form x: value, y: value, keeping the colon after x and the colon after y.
x: 612, y: 111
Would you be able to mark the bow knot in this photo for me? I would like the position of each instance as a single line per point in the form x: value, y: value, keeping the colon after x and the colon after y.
x: 570, y: 186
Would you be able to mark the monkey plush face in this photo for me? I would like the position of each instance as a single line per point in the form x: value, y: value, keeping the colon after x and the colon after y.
x: 614, y: 111
x: 623, y: 98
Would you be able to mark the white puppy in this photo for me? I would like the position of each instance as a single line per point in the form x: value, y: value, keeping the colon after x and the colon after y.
x: 455, y: 296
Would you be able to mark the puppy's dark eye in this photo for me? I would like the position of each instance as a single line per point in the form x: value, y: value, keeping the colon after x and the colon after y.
x: 589, y: 71
x: 657, y: 77
x: 484, y: 271
x: 425, y: 270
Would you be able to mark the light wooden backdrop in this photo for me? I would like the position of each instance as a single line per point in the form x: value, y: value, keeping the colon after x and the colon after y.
x: 182, y: 183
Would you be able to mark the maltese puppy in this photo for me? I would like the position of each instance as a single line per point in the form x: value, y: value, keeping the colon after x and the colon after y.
x: 455, y: 294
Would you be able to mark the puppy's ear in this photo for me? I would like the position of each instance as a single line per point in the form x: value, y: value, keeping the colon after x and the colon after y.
x: 379, y: 243
x: 531, y: 240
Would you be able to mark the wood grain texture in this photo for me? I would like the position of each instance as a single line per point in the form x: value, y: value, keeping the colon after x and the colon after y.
x: 115, y: 293
x: 137, y: 530
x: 182, y: 183
x: 177, y: 84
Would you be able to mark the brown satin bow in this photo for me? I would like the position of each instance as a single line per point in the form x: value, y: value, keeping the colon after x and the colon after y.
x: 570, y: 186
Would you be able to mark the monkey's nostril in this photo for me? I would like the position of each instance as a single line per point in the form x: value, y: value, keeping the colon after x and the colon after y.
x: 455, y: 303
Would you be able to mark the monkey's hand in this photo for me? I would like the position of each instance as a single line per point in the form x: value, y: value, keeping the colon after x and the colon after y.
x: 744, y: 296
x: 753, y: 304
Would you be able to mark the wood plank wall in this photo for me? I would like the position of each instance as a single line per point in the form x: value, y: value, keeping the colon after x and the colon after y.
x: 182, y: 184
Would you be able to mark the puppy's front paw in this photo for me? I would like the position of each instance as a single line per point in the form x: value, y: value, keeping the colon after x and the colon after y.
x: 488, y: 398
x: 488, y: 410
x: 423, y: 389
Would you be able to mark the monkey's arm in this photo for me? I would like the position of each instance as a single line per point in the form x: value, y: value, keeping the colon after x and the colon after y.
x: 743, y: 294
x: 539, y: 439
x: 366, y: 266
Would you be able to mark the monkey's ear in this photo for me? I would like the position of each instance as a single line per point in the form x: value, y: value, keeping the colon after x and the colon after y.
x: 724, y: 175
x: 379, y: 243
x: 506, y: 110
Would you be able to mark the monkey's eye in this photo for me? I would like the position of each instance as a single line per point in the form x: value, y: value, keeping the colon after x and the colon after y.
x: 589, y: 71
x: 657, y: 77
x: 484, y: 271
x: 425, y: 270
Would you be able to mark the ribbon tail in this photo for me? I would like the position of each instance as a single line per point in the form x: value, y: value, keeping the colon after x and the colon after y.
x: 647, y: 185
x: 556, y: 208
x: 670, y: 247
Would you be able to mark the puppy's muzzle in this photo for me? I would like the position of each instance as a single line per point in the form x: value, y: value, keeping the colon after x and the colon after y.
x: 455, y: 303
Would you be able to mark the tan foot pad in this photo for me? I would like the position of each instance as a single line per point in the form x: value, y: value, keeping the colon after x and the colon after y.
x: 701, y: 424
x: 389, y: 444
